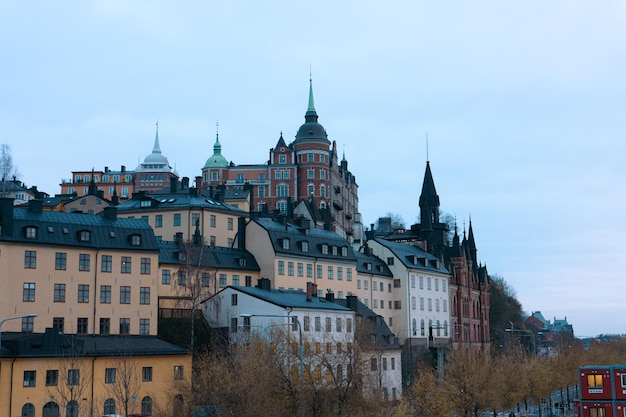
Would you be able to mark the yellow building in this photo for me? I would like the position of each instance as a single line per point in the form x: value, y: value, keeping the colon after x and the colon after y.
x: 78, y: 273
x: 50, y: 375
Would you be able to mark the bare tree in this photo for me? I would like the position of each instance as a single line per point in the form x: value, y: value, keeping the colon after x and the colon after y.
x: 7, y: 169
x: 122, y: 380
x: 68, y: 385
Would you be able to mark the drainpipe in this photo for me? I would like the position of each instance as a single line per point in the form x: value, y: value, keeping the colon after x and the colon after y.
x: 11, y: 389
x: 95, y: 292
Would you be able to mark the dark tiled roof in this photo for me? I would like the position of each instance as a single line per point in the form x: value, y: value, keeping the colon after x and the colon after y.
x: 52, y: 344
x: 406, y: 252
x: 288, y: 298
x: 316, y: 238
x: 385, y: 338
x: 63, y: 229
x: 176, y: 202
x: 378, y: 266
x: 212, y: 256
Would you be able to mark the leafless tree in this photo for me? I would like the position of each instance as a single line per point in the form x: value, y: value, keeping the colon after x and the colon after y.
x: 7, y: 169
x: 68, y: 385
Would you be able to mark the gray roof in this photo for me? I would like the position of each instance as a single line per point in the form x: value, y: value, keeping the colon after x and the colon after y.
x: 176, y: 202
x: 407, y: 254
x: 290, y: 298
x: 379, y: 267
x: 316, y: 238
x: 212, y: 256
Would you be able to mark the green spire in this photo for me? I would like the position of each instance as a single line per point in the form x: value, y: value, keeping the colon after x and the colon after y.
x: 311, y: 103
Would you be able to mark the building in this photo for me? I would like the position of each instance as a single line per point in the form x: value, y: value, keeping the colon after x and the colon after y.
x: 291, y: 255
x: 53, y: 374
x: 18, y: 191
x: 602, y: 391
x: 306, y: 169
x: 374, y: 285
x: 78, y: 273
x: 155, y: 172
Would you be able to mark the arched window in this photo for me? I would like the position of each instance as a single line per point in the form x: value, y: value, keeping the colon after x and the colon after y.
x: 414, y: 327
x: 51, y: 409
x: 438, y: 328
x: 71, y: 409
x: 109, y: 406
x: 28, y: 410
x: 422, y: 329
x: 146, y: 406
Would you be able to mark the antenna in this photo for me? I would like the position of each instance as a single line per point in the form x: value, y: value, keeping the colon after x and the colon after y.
x: 427, y: 158
x: 217, y: 128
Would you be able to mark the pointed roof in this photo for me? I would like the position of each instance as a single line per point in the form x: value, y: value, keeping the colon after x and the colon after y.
x: 216, y: 160
x: 281, y: 142
x: 311, y: 130
x: 429, y: 200
x: 155, y: 161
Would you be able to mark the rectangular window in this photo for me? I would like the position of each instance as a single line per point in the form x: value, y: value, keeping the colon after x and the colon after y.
x: 28, y: 323
x: 30, y: 378
x: 52, y: 377
x: 84, y: 262
x: 83, y: 293
x: 107, y: 263
x: 358, y: 284
x: 307, y: 323
x: 373, y: 364
x: 28, y: 293
x: 393, y: 364
x: 125, y: 294
x: 338, y: 324
x: 146, y: 373
x: 428, y: 283
x: 413, y: 303
x: 145, y: 266
x: 195, y: 219
x: 329, y: 324
x: 60, y: 261
x: 73, y: 376
x: 300, y: 269
x: 436, y: 284
x: 233, y: 324
x: 58, y: 323
x: 126, y: 264
x: 290, y: 269
x: 158, y: 220
x: 281, y: 267
x: 594, y: 381
x: 330, y: 272
x: 125, y: 326
x: 81, y: 325
x: 165, y: 277
x: 340, y: 273
x: 384, y: 364
x: 349, y: 274
x: 421, y: 283
x: 110, y: 375
x: 144, y: 327
x: 105, y: 294
x: 318, y: 271
x: 223, y: 281
x: 59, y: 293
x: 230, y: 223
x: 421, y: 303
x: 597, y: 412
x: 430, y: 304
x: 318, y: 324
x: 105, y: 325
x: 30, y: 259
x: 176, y: 219
x: 412, y: 281
x: 206, y: 279
x: 179, y: 372
x: 397, y: 305
x: 309, y: 270
x: 212, y: 220
x: 366, y: 284
x: 349, y: 325
x: 144, y: 295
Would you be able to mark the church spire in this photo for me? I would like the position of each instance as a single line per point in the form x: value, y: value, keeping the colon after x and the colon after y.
x: 311, y: 114
x: 429, y: 201
x: 157, y: 147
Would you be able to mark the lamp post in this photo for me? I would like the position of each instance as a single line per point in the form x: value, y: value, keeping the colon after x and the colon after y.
x: 512, y: 330
x: 12, y: 318
x: 294, y: 318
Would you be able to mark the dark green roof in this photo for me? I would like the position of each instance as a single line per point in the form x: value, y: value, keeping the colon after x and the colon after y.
x: 176, y: 202
x: 212, y: 256
x: 378, y: 266
x: 408, y: 254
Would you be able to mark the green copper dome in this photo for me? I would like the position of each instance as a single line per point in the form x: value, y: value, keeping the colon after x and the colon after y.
x: 311, y: 130
x: 216, y: 160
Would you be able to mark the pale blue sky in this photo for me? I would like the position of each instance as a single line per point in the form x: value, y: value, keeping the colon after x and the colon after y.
x: 523, y: 103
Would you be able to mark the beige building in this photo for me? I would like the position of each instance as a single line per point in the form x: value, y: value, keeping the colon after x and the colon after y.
x: 78, y: 273
x: 375, y: 284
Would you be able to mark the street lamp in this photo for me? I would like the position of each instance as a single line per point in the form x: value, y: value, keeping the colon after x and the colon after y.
x: 12, y: 318
x: 294, y: 318
x: 512, y: 330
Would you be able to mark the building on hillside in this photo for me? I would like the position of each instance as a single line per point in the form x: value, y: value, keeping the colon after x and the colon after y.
x: 54, y: 374
x: 306, y: 169
x: 178, y: 208
x: 78, y: 273
x: 292, y: 254
x: 602, y: 391
x: 374, y: 285
x: 469, y: 290
x: 18, y: 191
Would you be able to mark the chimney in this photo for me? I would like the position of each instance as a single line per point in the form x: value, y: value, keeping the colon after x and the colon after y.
x: 6, y: 216
x: 35, y: 206
x: 330, y: 296
x: 241, y: 233
x: 173, y: 184
x: 123, y: 168
x: 199, y: 184
x: 106, y: 169
x: 309, y: 291
x: 264, y: 284
x: 352, y: 302
x: 110, y: 213
x: 185, y: 182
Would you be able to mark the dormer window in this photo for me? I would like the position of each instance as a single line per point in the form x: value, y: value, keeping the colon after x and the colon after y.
x: 84, y: 235
x: 286, y: 244
x: 135, y: 240
x: 145, y: 203
x: 243, y: 262
x: 335, y: 250
x: 368, y: 266
x: 324, y: 249
x: 30, y: 232
x: 305, y: 246
x: 344, y: 251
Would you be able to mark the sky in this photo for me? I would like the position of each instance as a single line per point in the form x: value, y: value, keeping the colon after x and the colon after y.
x: 522, y: 102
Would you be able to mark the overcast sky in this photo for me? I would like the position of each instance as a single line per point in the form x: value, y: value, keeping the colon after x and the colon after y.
x: 523, y: 103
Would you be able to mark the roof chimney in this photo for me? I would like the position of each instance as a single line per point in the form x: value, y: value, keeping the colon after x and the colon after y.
x: 6, y: 216
x: 110, y: 213
x: 309, y: 291
x: 35, y: 206
x: 330, y: 296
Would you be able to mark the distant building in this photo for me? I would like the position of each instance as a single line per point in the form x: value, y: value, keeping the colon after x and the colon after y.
x: 18, y: 191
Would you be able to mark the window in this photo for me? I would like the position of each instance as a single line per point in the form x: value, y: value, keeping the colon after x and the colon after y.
x: 223, y: 282
x: 52, y: 377
x: 206, y: 279
x: 84, y: 235
x: 300, y: 269
x: 125, y: 294
x: 413, y: 303
x: 597, y: 412
x: 421, y: 303
x: 81, y: 325
x: 358, y: 284
x: 594, y: 381
x: 339, y: 274
x: 349, y: 325
x: 126, y: 264
x: 60, y: 261
x: 412, y: 281
x: 307, y: 323
x: 233, y: 324
x: 83, y: 293
x: 281, y: 267
x: 349, y: 274
x: 107, y: 263
x: 421, y: 283
x: 30, y: 378
x: 329, y: 324
x: 84, y: 261
x: 230, y: 223
x: 339, y: 321
x: 282, y: 190
x: 146, y: 373
x: 28, y: 293
x: 105, y: 294
x: 233, y: 299
x: 110, y: 375
x: 366, y: 284
x: 330, y: 272
x: 144, y: 295
x: 318, y: 271
x: 176, y: 219
x: 179, y: 372
x: 430, y: 304
x: 28, y: 410
x: 443, y: 285
x: 158, y: 220
x: 428, y: 283
x: 393, y: 364
x: 165, y: 277
x: 125, y: 326
x: 212, y: 240
x: 105, y: 325
x: 436, y: 284
x: 384, y: 364
x: 146, y: 406
x: 145, y: 266
x: 58, y: 323
x: 290, y: 269
x: 73, y: 376
x: 30, y: 259
x: 397, y: 305
x: 309, y: 270
x: 374, y: 364
x: 144, y: 327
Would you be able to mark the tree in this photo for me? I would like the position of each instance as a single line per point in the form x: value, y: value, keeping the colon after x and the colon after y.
x: 389, y: 223
x: 68, y: 385
x: 7, y: 169
x: 122, y: 380
x: 504, y: 309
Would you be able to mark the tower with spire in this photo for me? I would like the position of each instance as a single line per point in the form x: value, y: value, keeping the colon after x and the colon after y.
x: 154, y: 172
